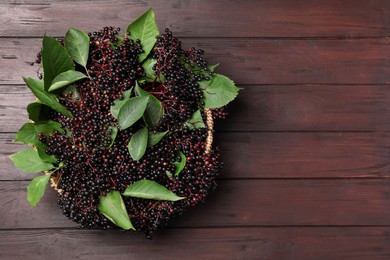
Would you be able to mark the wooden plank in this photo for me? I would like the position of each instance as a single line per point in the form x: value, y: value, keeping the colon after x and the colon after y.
x: 227, y: 243
x: 266, y: 108
x: 192, y: 18
x: 276, y: 155
x: 13, y: 110
x: 304, y: 155
x: 309, y: 108
x: 254, y: 61
x: 238, y: 203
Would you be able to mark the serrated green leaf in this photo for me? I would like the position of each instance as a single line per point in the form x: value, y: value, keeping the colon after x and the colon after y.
x: 154, y: 109
x: 138, y: 143
x: 146, y: 30
x: 113, y: 208
x: 55, y: 60
x: 212, y: 67
x: 118, y: 103
x: 196, y: 121
x: 27, y: 134
x: 41, y: 148
x: 148, y: 69
x: 179, y: 166
x: 66, y: 78
x: 146, y: 189
x: 36, y: 189
x: 37, y: 112
x: 155, y: 138
x: 36, y: 87
x: 29, y: 161
x: 131, y: 111
x: 219, y: 91
x: 77, y: 44
x: 48, y: 127
x: 200, y: 71
x: 113, y: 131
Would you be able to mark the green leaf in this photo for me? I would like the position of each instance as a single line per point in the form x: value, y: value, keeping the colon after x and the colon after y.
x: 112, y: 45
x: 120, y: 40
x: 27, y: 134
x: 154, y: 109
x: 131, y: 111
x: 200, y: 71
x: 212, y: 67
x: 71, y: 89
x: 146, y: 189
x: 113, y: 208
x: 118, y: 103
x: 196, y: 121
x: 179, y: 166
x: 219, y: 91
x: 155, y: 138
x: 29, y: 161
x: 77, y: 44
x: 48, y: 127
x: 196, y: 69
x: 146, y: 30
x: 113, y: 131
x: 66, y: 78
x: 36, y: 189
x: 150, y: 75
x: 41, y: 148
x: 37, y: 111
x: 168, y: 173
x: 36, y: 86
x: 55, y: 60
x: 138, y: 143
x: 68, y: 133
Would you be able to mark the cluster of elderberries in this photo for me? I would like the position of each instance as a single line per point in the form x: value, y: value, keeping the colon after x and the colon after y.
x: 94, y: 166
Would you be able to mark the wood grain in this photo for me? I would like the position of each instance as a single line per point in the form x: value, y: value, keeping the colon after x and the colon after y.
x: 309, y: 108
x: 276, y: 155
x: 306, y: 145
x: 276, y: 61
x: 216, y: 243
x: 238, y: 203
x: 266, y: 108
x: 303, y: 18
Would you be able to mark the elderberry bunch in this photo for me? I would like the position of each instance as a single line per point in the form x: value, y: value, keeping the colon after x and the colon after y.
x: 93, y: 169
x: 126, y: 132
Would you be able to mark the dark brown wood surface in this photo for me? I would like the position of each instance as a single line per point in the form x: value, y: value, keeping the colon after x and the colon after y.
x: 304, y: 107
x: 254, y: 60
x: 306, y: 145
x: 293, y: 203
x: 217, y: 18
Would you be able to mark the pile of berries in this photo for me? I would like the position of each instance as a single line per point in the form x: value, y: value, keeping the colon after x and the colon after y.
x: 94, y: 167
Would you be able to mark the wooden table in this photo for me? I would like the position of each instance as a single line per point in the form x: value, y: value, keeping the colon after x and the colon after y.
x: 306, y: 146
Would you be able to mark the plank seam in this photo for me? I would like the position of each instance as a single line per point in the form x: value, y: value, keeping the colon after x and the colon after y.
x: 271, y: 38
x: 204, y: 227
